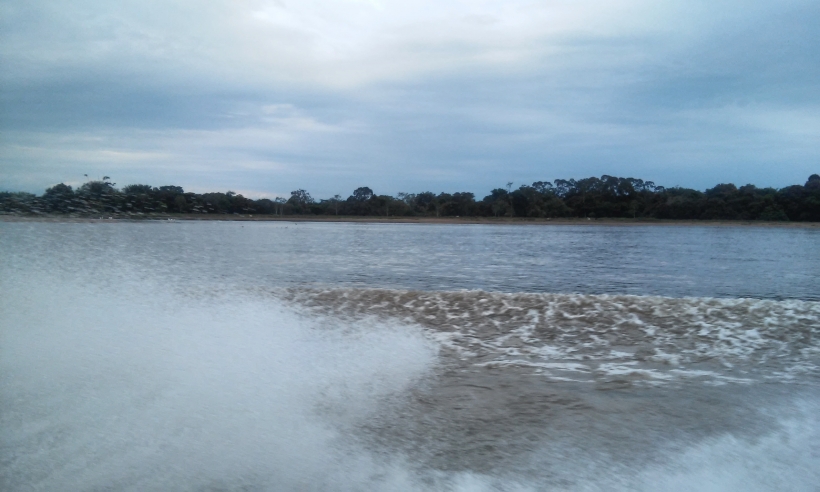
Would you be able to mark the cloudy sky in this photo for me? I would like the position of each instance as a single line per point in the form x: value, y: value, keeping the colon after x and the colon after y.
x: 263, y: 97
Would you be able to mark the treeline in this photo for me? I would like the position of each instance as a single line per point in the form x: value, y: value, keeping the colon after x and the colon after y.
x: 607, y: 196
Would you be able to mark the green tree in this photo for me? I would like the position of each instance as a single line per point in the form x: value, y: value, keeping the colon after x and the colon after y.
x: 301, y: 201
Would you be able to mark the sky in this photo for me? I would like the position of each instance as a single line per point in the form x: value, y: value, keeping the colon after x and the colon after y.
x: 265, y: 97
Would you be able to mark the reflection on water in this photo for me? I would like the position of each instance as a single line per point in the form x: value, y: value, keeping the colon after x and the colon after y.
x: 275, y: 356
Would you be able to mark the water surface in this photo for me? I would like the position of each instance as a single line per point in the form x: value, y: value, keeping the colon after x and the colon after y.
x: 284, y: 356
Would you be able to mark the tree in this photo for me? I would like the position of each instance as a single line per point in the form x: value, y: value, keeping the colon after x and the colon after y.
x: 280, y: 205
x: 379, y: 203
x: 180, y: 203
x: 425, y: 202
x: 607, y: 196
x: 519, y: 201
x: 543, y: 187
x: 96, y: 188
x: 457, y: 204
x: 335, y: 201
x: 498, y: 201
x: 137, y: 189
x: 59, y: 197
x: 301, y: 200
x: 60, y: 191
x: 361, y: 194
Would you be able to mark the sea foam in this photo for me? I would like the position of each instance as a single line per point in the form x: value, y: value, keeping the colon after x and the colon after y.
x: 136, y: 387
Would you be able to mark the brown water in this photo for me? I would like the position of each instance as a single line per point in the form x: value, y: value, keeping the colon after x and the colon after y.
x: 365, y: 357
x: 545, y: 388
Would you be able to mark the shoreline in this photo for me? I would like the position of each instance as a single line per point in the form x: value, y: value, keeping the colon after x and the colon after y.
x: 414, y: 220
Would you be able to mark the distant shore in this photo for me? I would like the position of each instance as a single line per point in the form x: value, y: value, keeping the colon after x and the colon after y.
x: 410, y: 220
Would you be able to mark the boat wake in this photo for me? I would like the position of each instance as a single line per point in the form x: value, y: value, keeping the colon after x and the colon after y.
x: 603, y: 339
x: 115, y: 380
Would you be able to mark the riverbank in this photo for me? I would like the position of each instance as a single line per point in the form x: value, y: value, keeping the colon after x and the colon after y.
x: 410, y: 220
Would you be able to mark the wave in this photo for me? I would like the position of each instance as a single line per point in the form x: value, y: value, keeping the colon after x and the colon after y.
x: 114, y: 381
x: 607, y: 339
x: 125, y: 385
x: 133, y: 370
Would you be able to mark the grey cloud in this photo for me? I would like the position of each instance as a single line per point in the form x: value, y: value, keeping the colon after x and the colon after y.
x: 686, y: 103
x: 773, y: 59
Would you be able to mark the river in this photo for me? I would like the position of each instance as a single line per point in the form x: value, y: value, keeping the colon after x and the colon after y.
x: 331, y: 356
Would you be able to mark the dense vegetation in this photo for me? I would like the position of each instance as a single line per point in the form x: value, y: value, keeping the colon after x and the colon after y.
x: 606, y: 196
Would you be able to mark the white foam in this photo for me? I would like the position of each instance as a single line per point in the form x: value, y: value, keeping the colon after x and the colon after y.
x: 560, y: 366
x: 136, y: 388
x: 767, y: 338
x: 787, y: 459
